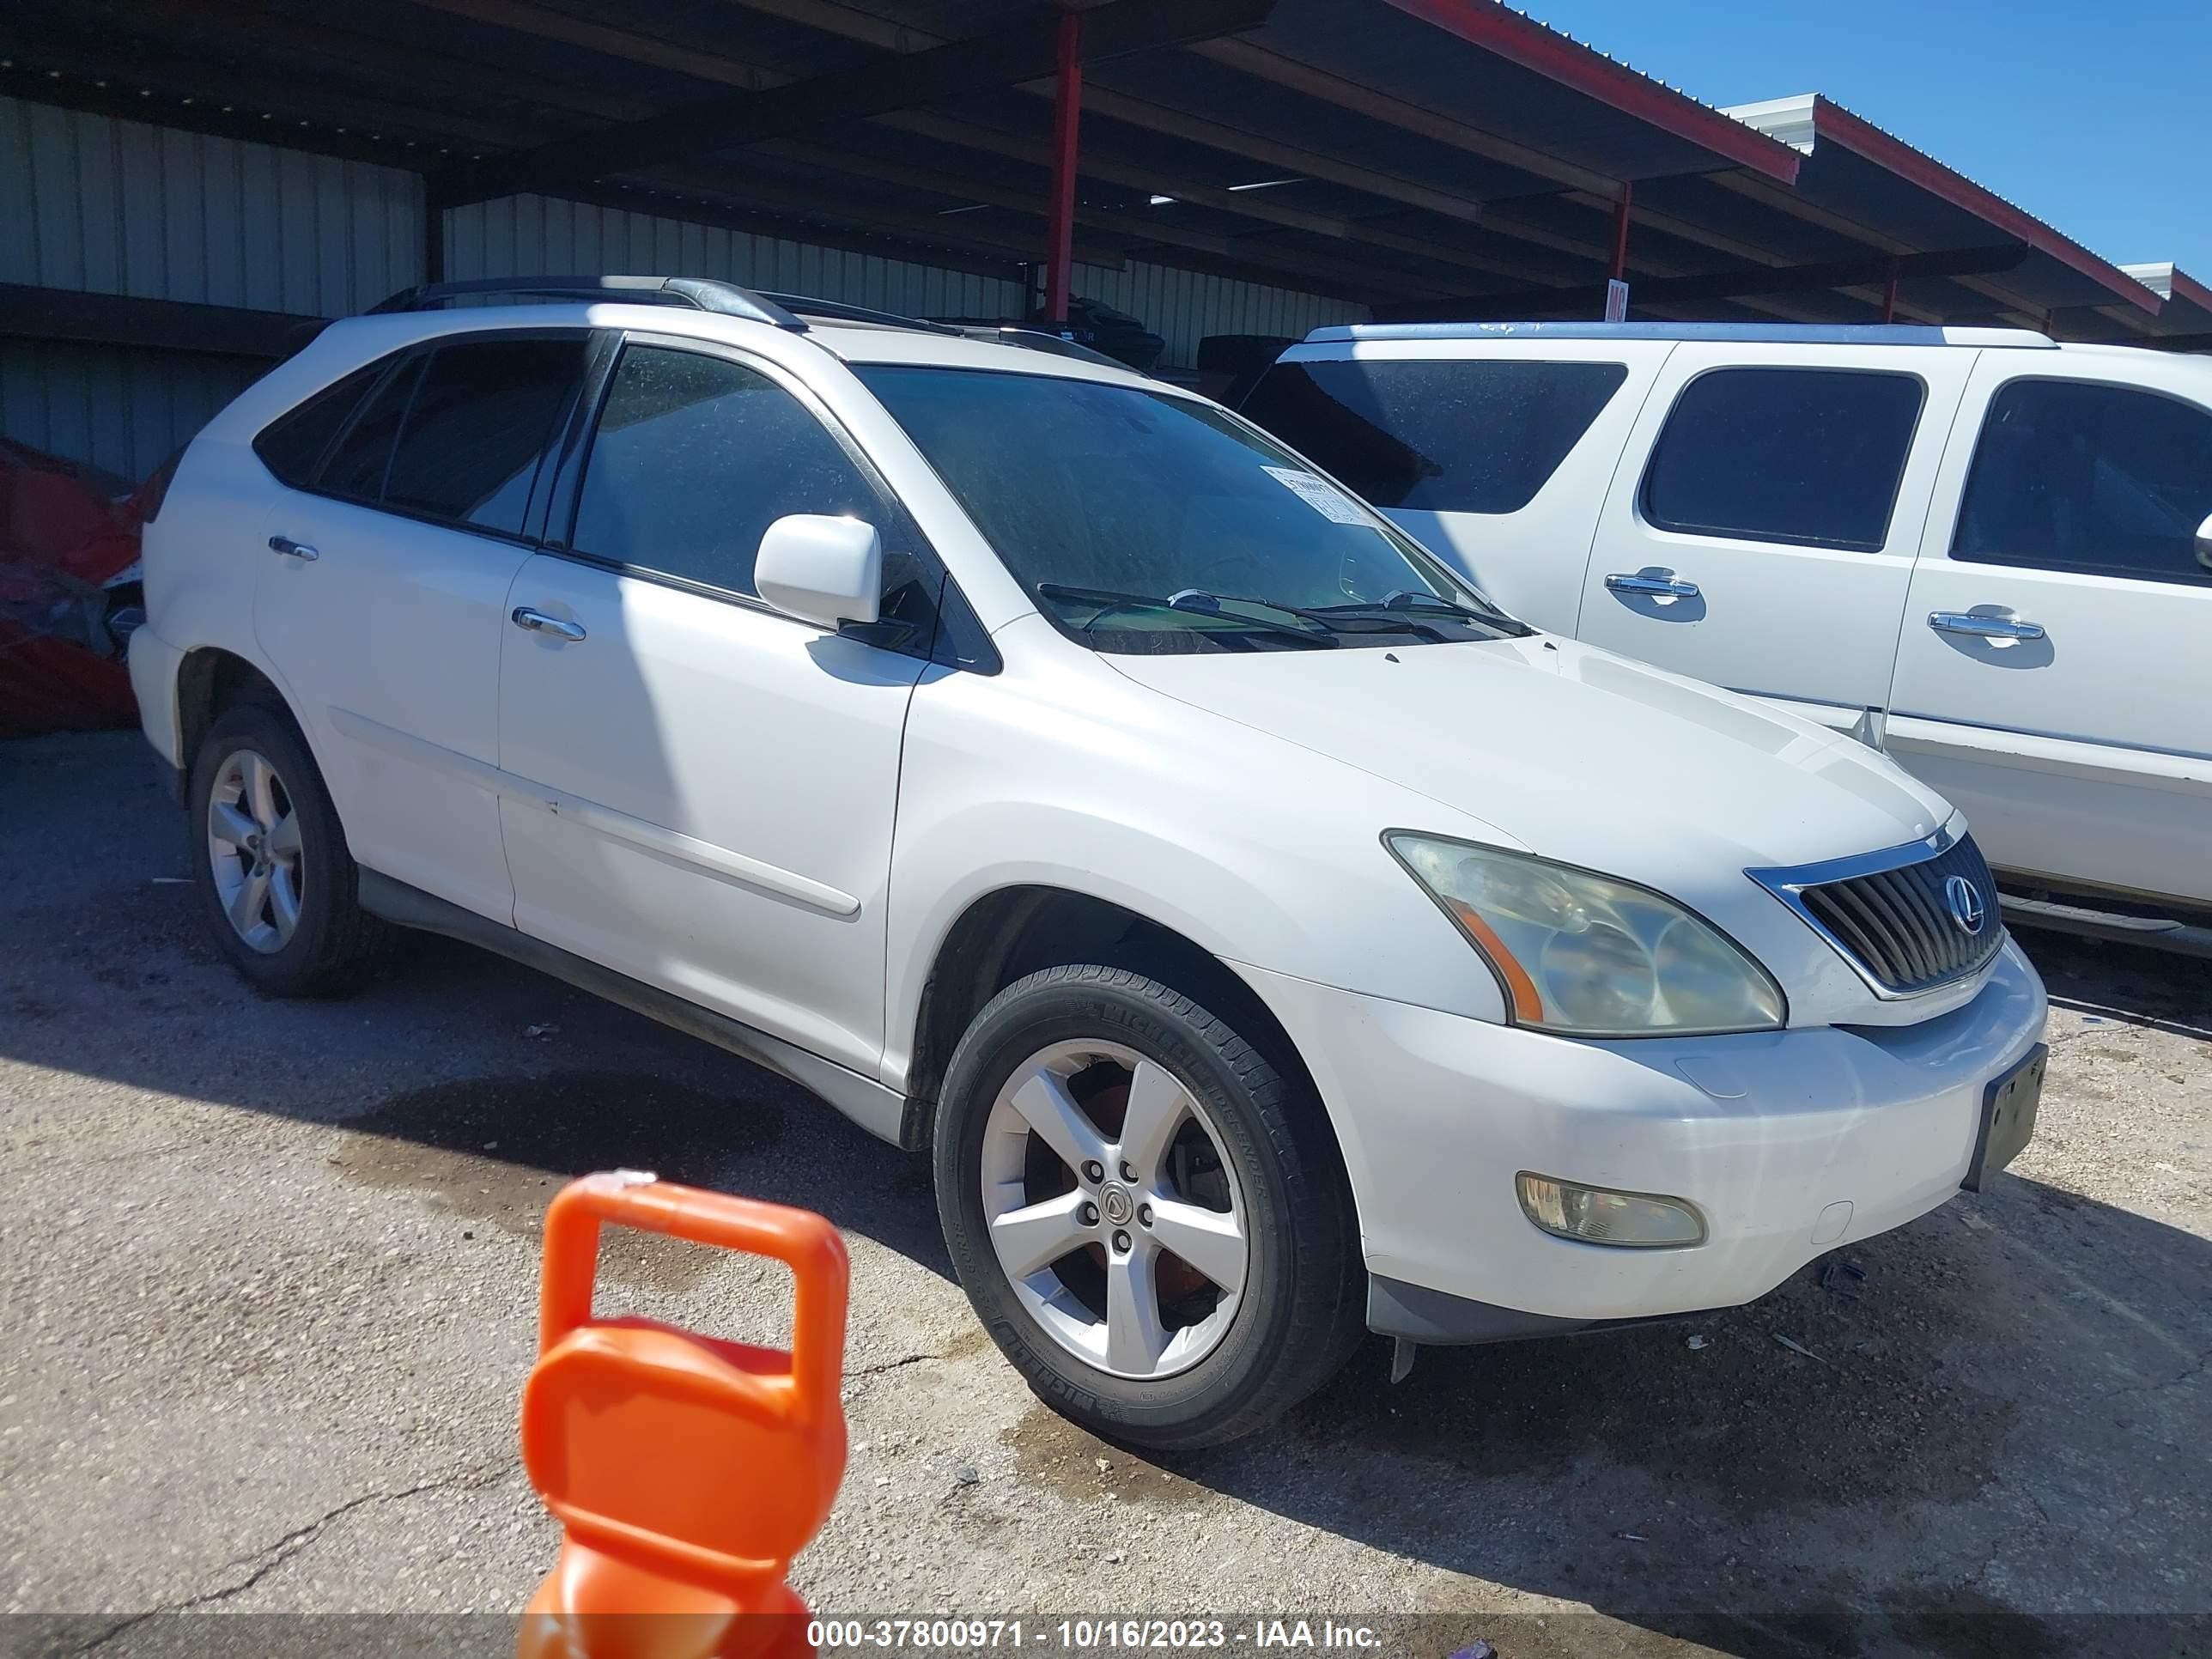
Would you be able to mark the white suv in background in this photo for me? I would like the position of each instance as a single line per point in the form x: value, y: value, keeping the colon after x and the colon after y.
x: 1053, y: 771
x: 1987, y: 555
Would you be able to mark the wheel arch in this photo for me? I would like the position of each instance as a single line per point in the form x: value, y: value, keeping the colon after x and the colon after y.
x: 1014, y: 931
x: 211, y: 679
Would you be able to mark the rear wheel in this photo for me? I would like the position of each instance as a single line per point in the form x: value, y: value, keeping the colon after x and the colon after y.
x: 1149, y: 1216
x: 270, y: 859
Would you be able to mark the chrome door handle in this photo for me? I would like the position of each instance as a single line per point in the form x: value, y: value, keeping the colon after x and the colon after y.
x: 538, y: 622
x: 1984, y: 626
x: 1662, y: 584
x: 292, y: 549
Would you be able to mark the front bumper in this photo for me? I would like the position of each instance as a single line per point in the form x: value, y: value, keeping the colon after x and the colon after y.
x: 1789, y: 1143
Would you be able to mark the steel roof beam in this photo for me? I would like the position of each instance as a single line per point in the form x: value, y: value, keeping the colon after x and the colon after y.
x: 1274, y: 153
x: 1022, y: 51
x: 1106, y: 167
x: 832, y: 17
x: 1251, y: 59
x: 1521, y: 40
x: 340, y: 39
x: 1109, y: 168
x: 33, y: 312
x: 527, y: 17
x: 1099, y: 162
x: 2018, y: 311
x: 1834, y: 124
x: 809, y: 201
x: 1136, y: 228
x: 219, y: 92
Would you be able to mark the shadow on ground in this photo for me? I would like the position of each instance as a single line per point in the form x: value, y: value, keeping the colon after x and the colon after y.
x: 2001, y: 1407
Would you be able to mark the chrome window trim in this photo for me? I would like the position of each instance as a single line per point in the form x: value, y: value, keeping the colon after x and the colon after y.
x: 1789, y: 884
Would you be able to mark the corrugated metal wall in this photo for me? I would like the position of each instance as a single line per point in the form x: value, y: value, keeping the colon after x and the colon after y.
x: 532, y: 233
x: 1184, y: 306
x: 122, y: 409
x: 120, y: 207
x: 521, y: 233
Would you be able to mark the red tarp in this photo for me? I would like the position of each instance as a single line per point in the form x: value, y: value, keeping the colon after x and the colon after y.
x: 63, y: 545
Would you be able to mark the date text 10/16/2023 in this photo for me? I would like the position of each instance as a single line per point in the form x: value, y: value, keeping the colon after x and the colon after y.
x: 1077, y: 1635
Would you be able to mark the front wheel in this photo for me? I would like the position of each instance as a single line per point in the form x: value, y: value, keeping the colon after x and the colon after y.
x: 1148, y: 1216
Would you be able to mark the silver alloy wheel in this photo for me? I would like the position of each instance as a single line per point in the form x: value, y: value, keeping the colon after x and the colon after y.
x: 1098, y: 1227
x: 253, y: 850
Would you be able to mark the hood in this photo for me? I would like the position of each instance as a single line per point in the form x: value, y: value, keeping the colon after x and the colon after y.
x: 1572, y: 752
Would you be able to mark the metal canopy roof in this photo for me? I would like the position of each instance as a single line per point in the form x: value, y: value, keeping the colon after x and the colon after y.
x: 1431, y: 158
x: 1866, y: 182
x: 2185, y: 317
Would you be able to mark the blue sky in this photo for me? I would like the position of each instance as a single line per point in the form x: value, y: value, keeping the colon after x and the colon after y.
x: 2098, y: 119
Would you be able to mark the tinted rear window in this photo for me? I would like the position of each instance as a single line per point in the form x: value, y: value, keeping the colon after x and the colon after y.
x: 2069, y: 475
x: 1470, y: 436
x: 356, y: 469
x: 1806, y: 455
x: 292, y: 445
x: 477, y: 425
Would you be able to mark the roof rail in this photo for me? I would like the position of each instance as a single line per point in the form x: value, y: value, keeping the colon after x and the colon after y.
x: 1914, y: 334
x: 836, y: 311
x: 700, y: 293
x: 1033, y: 339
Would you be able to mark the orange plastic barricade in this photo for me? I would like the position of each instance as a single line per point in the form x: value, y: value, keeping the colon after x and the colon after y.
x: 687, y: 1470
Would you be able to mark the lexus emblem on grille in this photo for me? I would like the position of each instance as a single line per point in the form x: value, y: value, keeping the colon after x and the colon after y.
x: 1964, y: 901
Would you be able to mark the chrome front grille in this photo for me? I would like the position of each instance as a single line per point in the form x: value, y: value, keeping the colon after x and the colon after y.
x: 1900, y: 918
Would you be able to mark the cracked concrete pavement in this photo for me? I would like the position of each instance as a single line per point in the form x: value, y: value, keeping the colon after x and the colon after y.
x: 267, y: 1283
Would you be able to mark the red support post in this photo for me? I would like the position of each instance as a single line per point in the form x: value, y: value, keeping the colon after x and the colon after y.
x: 1620, y: 232
x: 1889, y: 290
x: 1067, y: 117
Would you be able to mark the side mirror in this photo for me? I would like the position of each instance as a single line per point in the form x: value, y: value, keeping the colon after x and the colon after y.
x: 2204, y: 543
x: 823, y: 570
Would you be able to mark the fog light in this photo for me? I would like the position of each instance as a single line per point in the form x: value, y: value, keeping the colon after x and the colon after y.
x: 1595, y: 1216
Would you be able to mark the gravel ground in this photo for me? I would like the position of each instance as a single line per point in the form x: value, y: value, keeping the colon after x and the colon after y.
x: 267, y: 1285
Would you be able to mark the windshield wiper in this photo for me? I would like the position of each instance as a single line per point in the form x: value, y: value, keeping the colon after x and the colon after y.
x: 1405, y: 605
x: 1304, y: 628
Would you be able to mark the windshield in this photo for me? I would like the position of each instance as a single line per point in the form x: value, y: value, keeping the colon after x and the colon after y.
x: 1142, y: 522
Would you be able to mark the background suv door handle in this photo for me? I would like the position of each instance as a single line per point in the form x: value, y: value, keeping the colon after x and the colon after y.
x: 1662, y: 583
x: 538, y: 622
x: 292, y: 549
x: 1984, y: 625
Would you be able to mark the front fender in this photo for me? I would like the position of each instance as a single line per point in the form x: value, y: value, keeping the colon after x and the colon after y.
x: 1259, y: 850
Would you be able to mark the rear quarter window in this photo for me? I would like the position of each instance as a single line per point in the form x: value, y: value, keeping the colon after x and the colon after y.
x: 1470, y: 435
x: 293, y: 444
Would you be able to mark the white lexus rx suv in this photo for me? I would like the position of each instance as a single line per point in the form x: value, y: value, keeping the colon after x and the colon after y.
x: 1268, y: 938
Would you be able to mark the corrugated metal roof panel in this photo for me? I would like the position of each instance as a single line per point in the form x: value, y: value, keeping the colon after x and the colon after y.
x: 2158, y: 278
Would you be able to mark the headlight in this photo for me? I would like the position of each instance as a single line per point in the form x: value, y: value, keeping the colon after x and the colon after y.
x: 1587, y: 956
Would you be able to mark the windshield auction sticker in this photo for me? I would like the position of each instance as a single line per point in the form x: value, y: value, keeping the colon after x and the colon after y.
x: 1324, y: 497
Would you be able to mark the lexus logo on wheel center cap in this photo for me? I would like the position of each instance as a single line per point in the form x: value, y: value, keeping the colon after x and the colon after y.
x: 1964, y: 901
x: 1114, y: 1199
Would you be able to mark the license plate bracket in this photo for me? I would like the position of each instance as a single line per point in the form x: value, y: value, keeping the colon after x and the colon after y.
x: 2008, y: 1109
